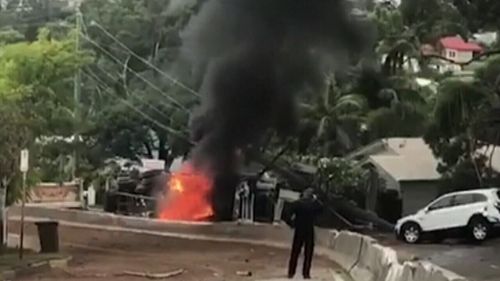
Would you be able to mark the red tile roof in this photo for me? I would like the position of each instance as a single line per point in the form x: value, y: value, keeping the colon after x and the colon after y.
x: 457, y: 43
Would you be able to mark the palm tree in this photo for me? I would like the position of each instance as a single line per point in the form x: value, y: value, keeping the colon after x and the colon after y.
x: 406, y: 111
x: 397, y: 44
x: 334, y: 118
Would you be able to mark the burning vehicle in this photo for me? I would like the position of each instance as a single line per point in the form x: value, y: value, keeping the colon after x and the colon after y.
x: 134, y: 189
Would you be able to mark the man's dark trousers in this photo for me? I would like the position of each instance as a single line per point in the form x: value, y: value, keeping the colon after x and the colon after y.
x: 302, y: 239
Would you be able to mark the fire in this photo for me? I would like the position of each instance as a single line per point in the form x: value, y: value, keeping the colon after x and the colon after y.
x: 188, y: 196
x: 176, y: 185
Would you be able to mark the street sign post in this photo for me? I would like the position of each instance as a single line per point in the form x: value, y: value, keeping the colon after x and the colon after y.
x: 24, y: 163
x: 23, y: 167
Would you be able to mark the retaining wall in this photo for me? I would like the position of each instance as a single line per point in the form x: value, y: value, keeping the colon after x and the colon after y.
x: 277, y: 234
x: 360, y: 256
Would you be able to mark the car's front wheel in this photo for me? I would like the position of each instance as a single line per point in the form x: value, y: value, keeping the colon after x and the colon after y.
x: 479, y: 229
x: 411, y: 233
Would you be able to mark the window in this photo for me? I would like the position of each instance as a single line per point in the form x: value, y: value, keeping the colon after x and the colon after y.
x: 452, y: 54
x: 441, y: 203
x: 463, y: 199
x: 480, y: 198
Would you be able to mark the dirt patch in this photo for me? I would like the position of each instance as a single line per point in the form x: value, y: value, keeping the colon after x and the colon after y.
x: 104, y: 255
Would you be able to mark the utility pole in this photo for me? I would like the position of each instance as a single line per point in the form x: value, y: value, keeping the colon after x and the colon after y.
x: 77, y: 95
x: 23, y: 167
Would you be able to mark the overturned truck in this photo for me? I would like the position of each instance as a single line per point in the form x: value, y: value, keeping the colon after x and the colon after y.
x: 135, y: 193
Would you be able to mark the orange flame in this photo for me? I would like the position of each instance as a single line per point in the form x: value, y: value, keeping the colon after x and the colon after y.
x: 188, y: 197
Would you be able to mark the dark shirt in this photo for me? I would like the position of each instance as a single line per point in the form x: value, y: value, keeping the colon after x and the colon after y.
x: 304, y: 213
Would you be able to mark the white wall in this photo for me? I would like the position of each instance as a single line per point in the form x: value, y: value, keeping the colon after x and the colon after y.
x: 458, y: 56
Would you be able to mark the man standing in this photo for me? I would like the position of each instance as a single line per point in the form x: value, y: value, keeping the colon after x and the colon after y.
x: 303, y: 214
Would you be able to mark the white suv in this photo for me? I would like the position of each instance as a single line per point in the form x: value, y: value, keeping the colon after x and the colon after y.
x: 471, y: 213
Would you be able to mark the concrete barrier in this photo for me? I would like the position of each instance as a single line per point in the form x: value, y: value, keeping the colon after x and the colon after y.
x: 347, y: 249
x: 366, y: 260
x: 395, y: 273
x: 276, y: 235
x: 375, y: 262
x: 428, y: 271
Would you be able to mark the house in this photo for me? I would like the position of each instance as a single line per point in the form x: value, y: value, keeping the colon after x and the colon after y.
x: 457, y: 50
x: 406, y: 167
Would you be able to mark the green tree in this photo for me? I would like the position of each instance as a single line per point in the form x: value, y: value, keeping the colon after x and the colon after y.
x: 465, y: 126
x: 397, y: 42
x: 337, y: 177
x: 35, y: 79
x: 432, y: 19
x: 480, y: 14
x: 141, y: 112
x: 407, y: 113
x: 28, y: 16
x: 333, y: 117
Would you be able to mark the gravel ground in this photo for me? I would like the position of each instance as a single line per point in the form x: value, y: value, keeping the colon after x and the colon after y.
x: 104, y: 255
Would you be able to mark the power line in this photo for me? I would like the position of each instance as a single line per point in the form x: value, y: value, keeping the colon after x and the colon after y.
x: 107, y: 89
x: 169, y: 77
x: 152, y: 85
x: 136, y: 96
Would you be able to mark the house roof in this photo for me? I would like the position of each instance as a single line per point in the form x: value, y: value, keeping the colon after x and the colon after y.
x: 411, y: 159
x: 407, y: 159
x: 403, y: 168
x: 457, y: 43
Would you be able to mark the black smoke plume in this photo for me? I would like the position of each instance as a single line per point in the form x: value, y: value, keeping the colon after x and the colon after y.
x: 255, y: 57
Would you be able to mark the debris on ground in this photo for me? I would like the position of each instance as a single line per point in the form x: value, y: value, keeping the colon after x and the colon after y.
x: 149, y: 275
x: 244, y: 273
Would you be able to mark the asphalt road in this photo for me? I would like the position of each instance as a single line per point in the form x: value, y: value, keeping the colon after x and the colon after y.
x: 476, y: 262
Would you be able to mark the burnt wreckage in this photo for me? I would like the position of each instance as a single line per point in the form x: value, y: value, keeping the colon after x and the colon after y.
x: 262, y: 193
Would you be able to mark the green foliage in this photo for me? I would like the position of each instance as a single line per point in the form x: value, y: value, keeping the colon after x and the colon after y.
x: 14, y: 136
x: 150, y: 29
x: 432, y: 19
x: 34, y: 82
x: 330, y: 118
x: 480, y: 14
x: 465, y: 126
x: 337, y: 176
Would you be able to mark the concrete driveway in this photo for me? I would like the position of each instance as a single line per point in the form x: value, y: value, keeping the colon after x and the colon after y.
x: 476, y: 262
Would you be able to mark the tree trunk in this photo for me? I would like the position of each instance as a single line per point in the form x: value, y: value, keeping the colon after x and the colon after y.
x: 472, y: 151
x: 3, y: 214
x: 162, y: 150
x: 149, y: 151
